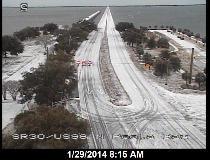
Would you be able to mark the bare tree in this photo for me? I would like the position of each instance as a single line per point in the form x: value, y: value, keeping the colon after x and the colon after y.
x: 45, y: 40
x: 13, y: 88
x: 66, y: 27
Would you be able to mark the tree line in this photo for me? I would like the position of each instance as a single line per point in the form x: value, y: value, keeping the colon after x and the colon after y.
x: 69, y: 39
x: 13, y: 45
x: 140, y: 38
x: 47, y: 86
x: 167, y: 61
x: 50, y: 86
x: 185, y: 31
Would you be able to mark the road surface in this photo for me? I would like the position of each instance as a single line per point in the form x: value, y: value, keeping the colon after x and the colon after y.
x: 149, y: 122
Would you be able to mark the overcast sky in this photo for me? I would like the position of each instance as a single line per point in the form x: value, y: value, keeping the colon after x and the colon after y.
x: 35, y: 3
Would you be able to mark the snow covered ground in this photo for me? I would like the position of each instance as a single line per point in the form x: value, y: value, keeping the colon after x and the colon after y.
x: 32, y: 56
x: 12, y: 69
x: 183, y: 43
x: 174, y: 81
x: 199, y: 53
x: 9, y: 110
x: 191, y: 106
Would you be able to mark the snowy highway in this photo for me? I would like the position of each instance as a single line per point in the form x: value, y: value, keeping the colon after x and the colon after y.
x: 153, y: 119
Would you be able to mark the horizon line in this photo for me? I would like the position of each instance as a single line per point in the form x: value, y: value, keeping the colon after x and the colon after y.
x: 107, y: 5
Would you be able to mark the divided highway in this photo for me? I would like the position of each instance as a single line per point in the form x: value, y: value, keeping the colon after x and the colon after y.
x: 149, y: 121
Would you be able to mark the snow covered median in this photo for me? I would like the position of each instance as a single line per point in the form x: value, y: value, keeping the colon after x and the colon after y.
x: 112, y: 85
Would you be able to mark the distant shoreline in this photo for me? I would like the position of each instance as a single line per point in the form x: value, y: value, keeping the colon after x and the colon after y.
x: 110, y: 6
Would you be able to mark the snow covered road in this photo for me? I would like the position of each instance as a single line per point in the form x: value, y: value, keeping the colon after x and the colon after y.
x: 155, y: 119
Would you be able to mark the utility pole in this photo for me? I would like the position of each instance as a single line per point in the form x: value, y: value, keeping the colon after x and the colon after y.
x: 191, y: 64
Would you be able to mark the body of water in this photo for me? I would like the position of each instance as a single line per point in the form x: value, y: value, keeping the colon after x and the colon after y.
x: 190, y: 17
x: 14, y: 20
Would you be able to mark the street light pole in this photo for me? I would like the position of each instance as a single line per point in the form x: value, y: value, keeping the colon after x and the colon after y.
x: 191, y: 64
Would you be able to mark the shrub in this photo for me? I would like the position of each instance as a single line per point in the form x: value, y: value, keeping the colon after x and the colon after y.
x: 79, y: 34
x: 143, y: 28
x: 197, y: 35
x: 194, y: 87
x: 68, y: 39
x: 160, y: 67
x: 202, y: 87
x: 186, y: 77
x: 140, y: 50
x: 48, y: 121
x: 175, y: 63
x: 204, y: 40
x: 185, y: 86
x: 28, y: 32
x: 134, y: 35
x: 173, y: 53
x: 13, y: 88
x: 47, y: 82
x: 163, y: 43
x: 49, y: 27
x: 122, y: 26
x: 165, y: 54
x: 162, y: 26
x: 66, y: 43
x: 61, y: 57
x: 147, y: 58
x: 200, y: 78
x: 179, y: 30
x: 151, y: 43
x: 12, y: 45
